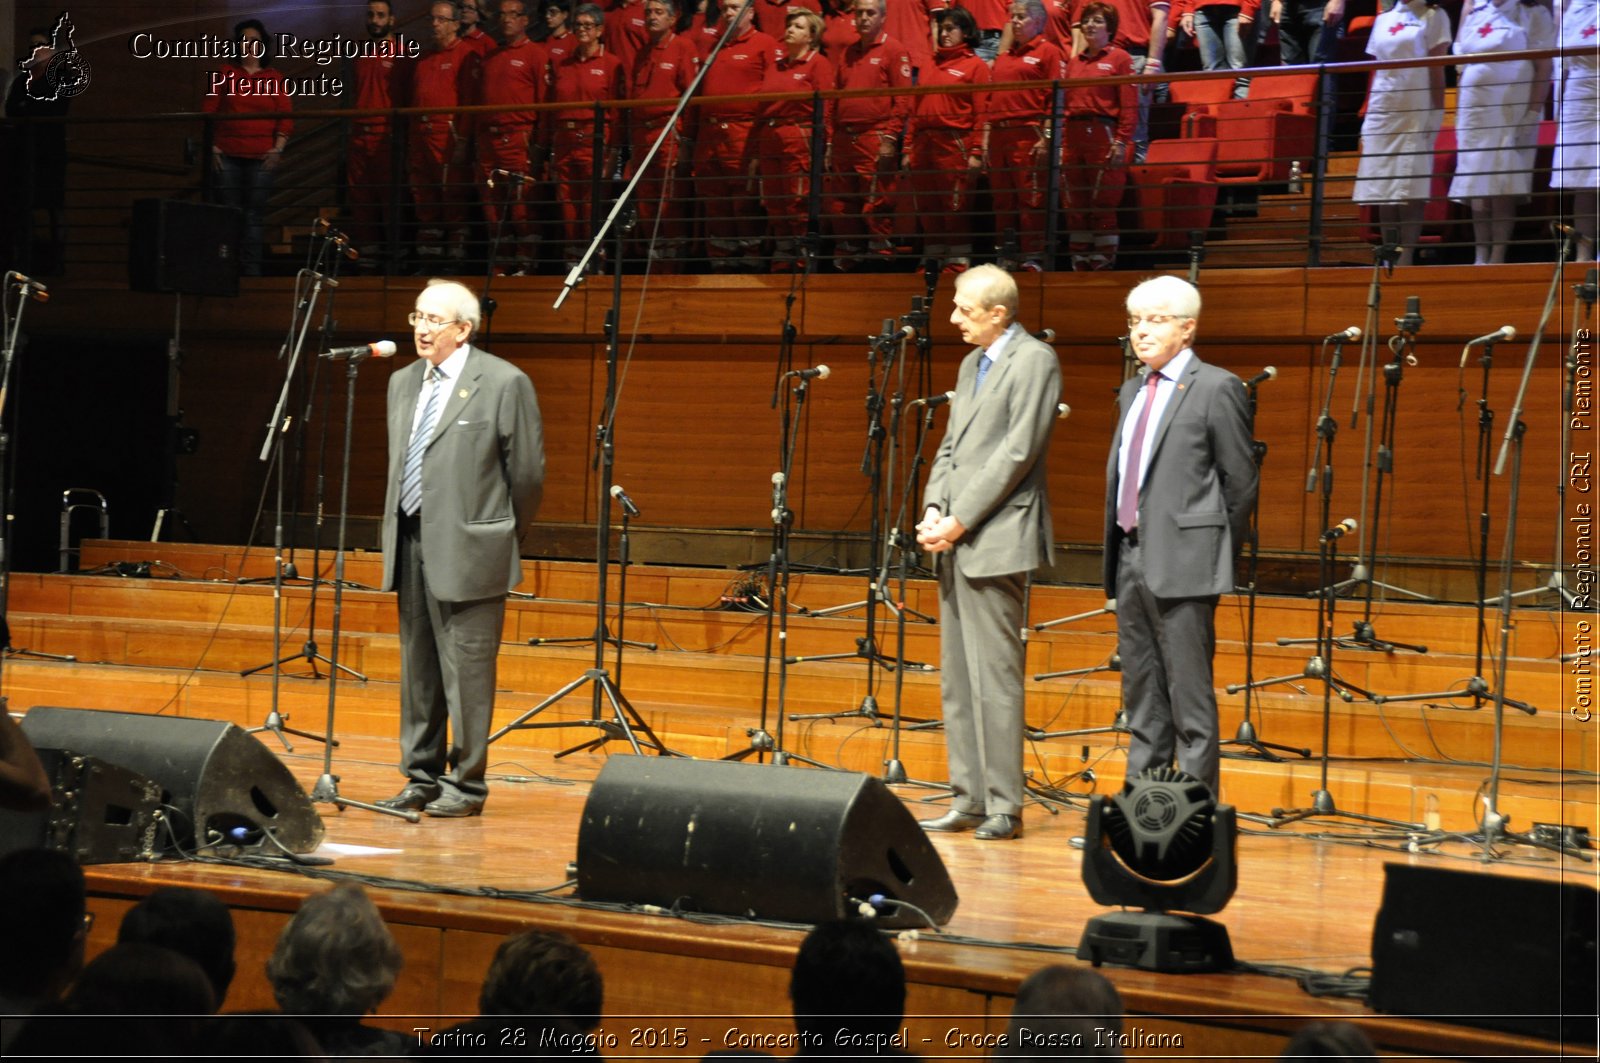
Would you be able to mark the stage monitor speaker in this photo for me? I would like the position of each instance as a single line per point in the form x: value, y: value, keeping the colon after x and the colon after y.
x: 218, y: 782
x: 756, y: 841
x: 178, y: 246
x: 1512, y: 954
x: 99, y: 813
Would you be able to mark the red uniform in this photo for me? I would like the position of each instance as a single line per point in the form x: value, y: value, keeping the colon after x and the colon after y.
x: 772, y: 16
x: 558, y: 48
x: 1061, y: 14
x: 724, y: 149
x: 1099, y: 134
x: 446, y: 77
x: 479, y: 42
x: 244, y: 92
x: 990, y: 15
x: 838, y: 34
x: 662, y: 70
x: 574, y: 156
x: 377, y: 81
x: 865, y: 176
x: 512, y: 74
x: 783, y: 147
x: 945, y: 139
x: 910, y: 23
x: 625, y: 32
x: 1018, y: 140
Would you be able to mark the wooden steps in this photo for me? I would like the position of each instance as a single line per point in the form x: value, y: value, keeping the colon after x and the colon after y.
x: 179, y: 646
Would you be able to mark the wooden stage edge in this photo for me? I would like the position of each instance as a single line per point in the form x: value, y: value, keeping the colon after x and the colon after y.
x: 678, y: 987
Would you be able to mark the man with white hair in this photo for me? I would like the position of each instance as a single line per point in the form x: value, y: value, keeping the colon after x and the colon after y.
x: 987, y: 519
x: 1180, y: 483
x: 466, y: 471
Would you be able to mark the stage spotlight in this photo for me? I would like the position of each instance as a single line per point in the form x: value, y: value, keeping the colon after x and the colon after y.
x: 1162, y: 844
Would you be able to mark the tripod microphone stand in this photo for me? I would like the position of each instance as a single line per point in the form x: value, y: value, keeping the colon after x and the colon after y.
x: 1322, y: 800
x: 1319, y: 666
x: 1476, y: 687
x: 1246, y: 734
x: 326, y: 790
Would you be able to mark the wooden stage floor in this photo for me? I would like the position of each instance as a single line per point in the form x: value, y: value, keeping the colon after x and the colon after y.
x: 451, y: 889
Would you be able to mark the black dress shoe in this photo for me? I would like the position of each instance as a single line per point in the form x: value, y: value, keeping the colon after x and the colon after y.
x: 953, y: 821
x: 453, y: 806
x: 411, y: 799
x: 1000, y: 827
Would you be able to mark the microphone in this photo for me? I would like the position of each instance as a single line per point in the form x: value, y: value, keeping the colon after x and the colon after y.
x: 339, y: 239
x: 777, y: 497
x: 1047, y: 335
x: 1340, y: 530
x: 38, y: 292
x: 821, y: 372
x: 1269, y: 373
x: 1349, y: 335
x: 622, y: 498
x: 1587, y: 289
x: 381, y: 349
x: 1565, y: 231
x: 934, y: 401
x: 1504, y: 332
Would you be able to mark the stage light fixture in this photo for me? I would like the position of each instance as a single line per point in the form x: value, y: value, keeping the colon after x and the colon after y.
x: 1162, y: 845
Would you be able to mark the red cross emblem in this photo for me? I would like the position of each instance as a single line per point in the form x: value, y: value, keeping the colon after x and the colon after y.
x: 1486, y: 29
x: 1589, y: 31
x: 1399, y: 27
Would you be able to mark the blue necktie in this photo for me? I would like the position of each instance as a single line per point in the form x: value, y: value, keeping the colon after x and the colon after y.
x: 411, y: 475
x: 984, y: 362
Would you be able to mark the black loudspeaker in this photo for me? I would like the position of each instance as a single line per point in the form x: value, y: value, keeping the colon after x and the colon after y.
x: 218, y: 782
x: 1512, y: 954
x: 757, y: 841
x: 178, y: 246
x: 99, y: 813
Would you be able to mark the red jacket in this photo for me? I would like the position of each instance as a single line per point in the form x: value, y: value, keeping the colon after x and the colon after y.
x: 953, y: 110
x: 1120, y: 102
x: 513, y: 74
x: 663, y: 72
x: 772, y: 16
x: 811, y: 74
x: 266, y: 97
x: 739, y: 69
x: 379, y: 81
x: 581, y: 81
x: 882, y: 64
x: 446, y: 77
x: 989, y: 14
x: 625, y: 32
x: 1038, y: 60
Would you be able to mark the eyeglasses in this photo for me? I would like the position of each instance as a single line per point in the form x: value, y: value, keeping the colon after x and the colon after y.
x: 585, y: 24
x: 418, y: 318
x: 1154, y: 319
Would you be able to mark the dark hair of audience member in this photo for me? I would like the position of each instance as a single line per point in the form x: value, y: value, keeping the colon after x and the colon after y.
x: 188, y: 921
x: 335, y: 957
x: 847, y: 977
x: 544, y: 972
x: 42, y: 911
x: 1329, y: 1040
x: 1065, y: 1011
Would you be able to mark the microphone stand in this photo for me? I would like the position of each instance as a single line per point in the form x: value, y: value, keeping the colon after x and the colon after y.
x: 326, y: 790
x: 26, y: 290
x: 1246, y: 734
x: 1322, y: 801
x: 1320, y: 665
x: 1583, y: 299
x: 778, y: 570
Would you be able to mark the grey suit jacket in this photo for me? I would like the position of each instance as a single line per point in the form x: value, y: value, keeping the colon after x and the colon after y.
x: 989, y: 472
x: 1199, y: 488
x: 482, y: 477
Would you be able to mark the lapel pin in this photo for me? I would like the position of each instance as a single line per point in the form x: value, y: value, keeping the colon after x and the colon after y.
x: 463, y: 393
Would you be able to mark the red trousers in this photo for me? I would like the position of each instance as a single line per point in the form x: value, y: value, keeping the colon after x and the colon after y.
x: 1018, y: 179
x: 783, y: 153
x: 506, y: 148
x: 369, y: 177
x: 863, y: 187
x: 572, y: 166
x: 724, y: 163
x: 941, y: 180
x: 1094, y: 180
x: 660, y: 212
x: 437, y: 193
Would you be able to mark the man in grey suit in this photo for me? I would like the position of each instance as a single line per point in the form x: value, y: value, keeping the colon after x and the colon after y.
x: 466, y: 469
x: 1180, y: 484
x: 987, y: 514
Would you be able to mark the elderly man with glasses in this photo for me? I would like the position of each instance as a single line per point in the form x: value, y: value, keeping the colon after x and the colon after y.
x: 466, y: 471
x: 1180, y: 484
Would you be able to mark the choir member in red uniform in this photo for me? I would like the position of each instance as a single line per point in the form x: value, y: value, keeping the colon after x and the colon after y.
x: 911, y: 22
x: 586, y: 76
x: 724, y: 149
x: 1063, y: 17
x: 558, y: 40
x: 471, y: 31
x: 513, y: 73
x: 864, y: 168
x: 772, y: 16
x: 838, y: 28
x: 376, y: 81
x: 447, y: 76
x: 992, y: 17
x: 626, y: 31
x: 245, y: 154
x: 1098, y: 137
x: 947, y: 145
x: 663, y: 70
x: 784, y: 136
x: 1019, y: 132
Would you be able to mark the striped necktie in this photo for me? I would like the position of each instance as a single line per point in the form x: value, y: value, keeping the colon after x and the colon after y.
x: 411, y: 476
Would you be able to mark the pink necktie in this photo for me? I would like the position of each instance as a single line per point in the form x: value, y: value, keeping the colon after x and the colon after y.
x: 1128, y: 496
